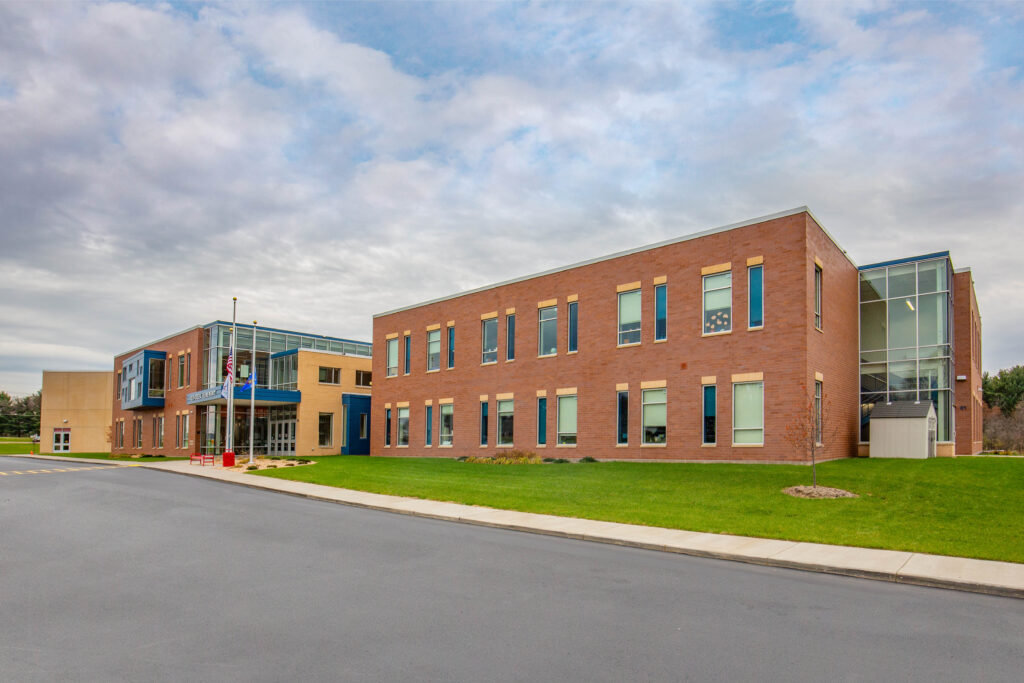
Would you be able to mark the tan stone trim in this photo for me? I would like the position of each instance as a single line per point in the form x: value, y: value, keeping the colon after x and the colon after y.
x: 483, y: 397
x: 628, y: 287
x: 654, y: 384
x: 718, y: 268
x: 402, y: 404
x: 572, y: 297
x: 510, y: 311
x: 819, y: 377
x: 547, y: 302
x: 445, y: 401
x: 660, y: 280
x: 504, y: 397
x: 748, y: 377
x: 428, y: 402
x: 565, y: 391
x: 755, y: 260
x: 435, y: 326
x: 450, y: 323
x: 708, y: 379
x: 393, y: 335
x: 387, y: 405
x: 817, y: 262
x: 541, y: 393
x: 488, y: 316
x: 748, y: 445
x: 624, y: 386
x: 181, y: 353
x: 407, y: 332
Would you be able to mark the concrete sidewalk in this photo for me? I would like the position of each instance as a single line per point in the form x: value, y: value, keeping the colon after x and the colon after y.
x: 980, y: 576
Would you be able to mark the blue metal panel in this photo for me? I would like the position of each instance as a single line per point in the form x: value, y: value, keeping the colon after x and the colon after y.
x: 357, y: 405
x: 137, y: 367
x: 281, y: 354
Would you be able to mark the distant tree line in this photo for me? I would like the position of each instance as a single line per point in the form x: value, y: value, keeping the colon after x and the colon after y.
x: 1004, y: 394
x: 19, y: 416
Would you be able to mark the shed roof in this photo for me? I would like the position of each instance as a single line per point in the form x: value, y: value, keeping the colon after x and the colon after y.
x: 901, y: 409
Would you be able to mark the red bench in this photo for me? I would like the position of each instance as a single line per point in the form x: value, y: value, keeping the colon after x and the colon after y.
x: 201, y: 458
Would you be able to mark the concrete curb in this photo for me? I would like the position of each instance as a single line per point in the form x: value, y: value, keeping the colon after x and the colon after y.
x: 933, y: 571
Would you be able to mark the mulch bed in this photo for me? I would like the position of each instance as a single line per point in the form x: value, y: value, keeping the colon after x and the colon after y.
x: 818, y: 492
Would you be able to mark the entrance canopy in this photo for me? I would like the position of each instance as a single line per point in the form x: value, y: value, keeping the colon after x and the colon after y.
x: 264, y: 397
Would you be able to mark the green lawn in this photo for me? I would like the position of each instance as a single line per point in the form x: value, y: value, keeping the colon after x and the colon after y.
x: 24, y: 439
x: 10, y: 446
x: 971, y: 507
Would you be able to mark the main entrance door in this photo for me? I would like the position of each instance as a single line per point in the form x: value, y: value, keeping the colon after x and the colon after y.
x: 282, y: 437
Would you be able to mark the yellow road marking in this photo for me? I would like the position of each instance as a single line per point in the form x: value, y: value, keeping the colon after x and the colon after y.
x: 70, y: 469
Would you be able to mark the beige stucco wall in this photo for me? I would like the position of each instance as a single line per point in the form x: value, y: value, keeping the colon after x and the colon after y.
x: 324, y: 398
x: 81, y: 401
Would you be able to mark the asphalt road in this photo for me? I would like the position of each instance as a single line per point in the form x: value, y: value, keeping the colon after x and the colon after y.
x: 131, y: 574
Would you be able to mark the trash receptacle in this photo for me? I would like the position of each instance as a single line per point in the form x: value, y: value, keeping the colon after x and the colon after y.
x: 228, y: 459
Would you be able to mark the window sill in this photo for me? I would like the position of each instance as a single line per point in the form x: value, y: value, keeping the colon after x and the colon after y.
x: 622, y: 445
x: 510, y: 360
x: 330, y: 384
x: 748, y: 445
x: 755, y: 329
x: 660, y: 341
x: 566, y: 445
x: 402, y: 446
x: 483, y: 445
x: 390, y: 376
x: 548, y: 355
x: 428, y: 446
x: 444, y: 445
x: 626, y: 346
x: 504, y: 445
x: 490, y: 362
x: 542, y: 445
x: 571, y: 353
x: 363, y: 386
x: 709, y: 445
x: 653, y: 445
x: 716, y: 334
x: 432, y: 371
x: 819, y: 329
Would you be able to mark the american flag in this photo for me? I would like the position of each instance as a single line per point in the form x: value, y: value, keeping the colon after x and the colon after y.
x: 229, y: 376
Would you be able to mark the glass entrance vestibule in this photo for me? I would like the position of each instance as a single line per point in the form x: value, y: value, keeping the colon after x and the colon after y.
x: 273, y: 429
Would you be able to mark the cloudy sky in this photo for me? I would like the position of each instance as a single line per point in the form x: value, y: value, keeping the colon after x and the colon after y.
x: 326, y: 162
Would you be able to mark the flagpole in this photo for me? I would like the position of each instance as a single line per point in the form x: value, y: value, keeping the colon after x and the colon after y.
x: 231, y: 390
x: 252, y: 395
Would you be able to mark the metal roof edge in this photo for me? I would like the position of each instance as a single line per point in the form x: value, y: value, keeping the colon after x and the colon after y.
x: 909, y: 259
x: 619, y: 254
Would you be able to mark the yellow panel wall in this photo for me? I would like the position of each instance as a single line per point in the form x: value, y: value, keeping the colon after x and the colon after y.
x: 324, y: 398
x: 81, y: 401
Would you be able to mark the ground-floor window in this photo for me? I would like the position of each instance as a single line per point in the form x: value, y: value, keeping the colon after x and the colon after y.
x: 184, y: 430
x: 654, y: 415
x: 447, y: 424
x: 387, y: 426
x: 483, y: 423
x: 505, y: 418
x: 748, y: 413
x: 326, y: 430
x: 364, y: 425
x: 542, y: 420
x: 710, y: 411
x: 429, y: 419
x: 403, y: 426
x: 622, y: 401
x: 567, y: 420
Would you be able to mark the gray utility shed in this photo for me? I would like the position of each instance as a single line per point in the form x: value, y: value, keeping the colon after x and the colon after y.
x: 903, y: 429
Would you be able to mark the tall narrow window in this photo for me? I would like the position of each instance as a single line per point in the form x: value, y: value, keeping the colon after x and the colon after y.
x: 547, y: 331
x: 184, y: 431
x: 629, y: 317
x: 566, y: 420
x: 403, y: 426
x: 755, y: 293
x: 483, y: 423
x: 542, y: 420
x: 817, y: 296
x: 433, y: 350
x: 392, y: 357
x: 326, y: 430
x: 623, y: 415
x: 710, y: 411
x: 387, y: 426
x: 430, y: 425
x: 451, y: 347
x: 573, y: 326
x: 654, y: 415
x: 177, y: 431
x: 718, y: 302
x: 660, y: 313
x: 160, y: 432
x: 817, y: 412
x: 489, y: 340
x: 506, y: 414
x: 188, y: 367
x: 408, y: 352
x: 748, y: 413
x: 447, y: 426
x: 364, y: 425
x: 510, y: 337
x: 181, y: 371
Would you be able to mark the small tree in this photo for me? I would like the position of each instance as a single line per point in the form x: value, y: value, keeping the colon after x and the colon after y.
x: 812, y: 430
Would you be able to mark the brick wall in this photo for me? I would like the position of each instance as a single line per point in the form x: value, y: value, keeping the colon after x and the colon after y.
x: 967, y: 398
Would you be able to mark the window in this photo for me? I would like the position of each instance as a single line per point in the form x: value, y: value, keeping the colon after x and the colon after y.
x: 451, y: 348
x: 710, y: 411
x: 344, y: 426
x: 433, y: 350
x: 489, y: 340
x: 364, y: 425
x: 330, y: 376
x: 510, y: 337
x: 748, y: 413
x: 506, y: 414
x: 387, y: 426
x: 119, y: 435
x: 392, y: 357
x: 755, y: 295
x: 430, y: 425
x: 159, y: 436
x: 483, y: 423
x: 326, y: 429
x: 408, y: 352
x: 661, y: 313
x: 623, y: 418
x: 547, y: 331
x: 447, y: 424
x: 184, y: 430
x: 156, y: 377
x: 542, y: 420
x: 654, y: 415
x: 177, y: 430
x: 364, y: 378
x: 817, y: 296
x: 629, y: 317
x: 718, y: 302
x: 181, y: 371
x: 403, y: 426
x: 566, y: 420
x: 817, y: 411
x: 573, y: 325
x: 188, y: 368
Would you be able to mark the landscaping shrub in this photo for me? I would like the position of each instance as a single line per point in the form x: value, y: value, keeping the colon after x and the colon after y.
x: 516, y: 457
x: 252, y: 467
x: 587, y: 458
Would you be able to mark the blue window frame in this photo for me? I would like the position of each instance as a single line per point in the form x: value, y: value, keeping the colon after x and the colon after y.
x: 623, y: 418
x: 483, y: 423
x: 407, y: 353
x: 573, y: 325
x: 755, y: 277
x: 660, y: 313
x: 451, y: 347
x: 542, y: 421
x: 387, y: 426
x: 430, y: 424
x: 510, y: 337
x: 710, y: 400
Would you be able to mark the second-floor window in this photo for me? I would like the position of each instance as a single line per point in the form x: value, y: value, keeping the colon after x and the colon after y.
x: 330, y: 375
x: 364, y: 378
x: 755, y: 294
x: 718, y: 302
x: 629, y: 317
x: 433, y: 350
x: 489, y: 340
x: 392, y: 357
x: 547, y: 331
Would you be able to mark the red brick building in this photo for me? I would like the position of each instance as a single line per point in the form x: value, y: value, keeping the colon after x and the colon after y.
x: 706, y: 347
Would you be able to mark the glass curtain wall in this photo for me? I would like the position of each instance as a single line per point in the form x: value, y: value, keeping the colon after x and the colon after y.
x: 212, y: 420
x: 905, y: 338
